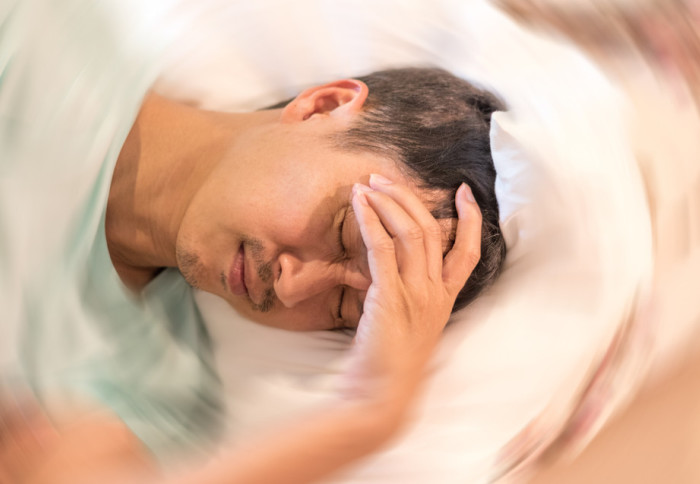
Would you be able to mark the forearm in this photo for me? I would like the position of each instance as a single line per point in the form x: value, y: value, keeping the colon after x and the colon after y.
x: 308, y: 449
x: 405, y: 311
x: 102, y: 449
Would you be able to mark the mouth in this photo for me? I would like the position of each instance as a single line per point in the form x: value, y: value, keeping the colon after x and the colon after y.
x: 236, y: 274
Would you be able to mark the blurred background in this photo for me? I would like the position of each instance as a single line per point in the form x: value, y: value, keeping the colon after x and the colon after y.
x: 650, y: 49
x: 657, y: 438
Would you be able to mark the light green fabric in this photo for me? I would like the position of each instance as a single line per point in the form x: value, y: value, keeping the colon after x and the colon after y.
x: 72, y: 77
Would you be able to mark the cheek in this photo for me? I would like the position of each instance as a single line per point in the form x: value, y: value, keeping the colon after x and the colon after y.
x: 281, y: 200
x: 290, y: 216
x: 296, y: 231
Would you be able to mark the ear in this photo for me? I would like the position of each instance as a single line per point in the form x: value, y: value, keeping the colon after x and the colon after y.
x: 339, y: 99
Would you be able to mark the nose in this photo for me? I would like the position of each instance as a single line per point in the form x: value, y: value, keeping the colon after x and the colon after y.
x: 300, y: 280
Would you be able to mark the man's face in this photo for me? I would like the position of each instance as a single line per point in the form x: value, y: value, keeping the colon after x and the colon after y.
x: 272, y: 230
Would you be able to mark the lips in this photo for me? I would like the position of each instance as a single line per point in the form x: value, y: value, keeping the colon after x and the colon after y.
x: 236, y: 274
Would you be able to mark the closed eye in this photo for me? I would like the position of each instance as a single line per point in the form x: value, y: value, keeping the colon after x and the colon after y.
x: 343, y: 255
x: 338, y: 313
x: 341, y: 225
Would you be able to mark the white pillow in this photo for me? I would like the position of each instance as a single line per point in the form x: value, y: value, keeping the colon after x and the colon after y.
x: 572, y: 211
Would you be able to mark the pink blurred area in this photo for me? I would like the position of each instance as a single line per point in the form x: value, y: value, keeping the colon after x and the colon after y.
x: 656, y: 440
x: 651, y: 49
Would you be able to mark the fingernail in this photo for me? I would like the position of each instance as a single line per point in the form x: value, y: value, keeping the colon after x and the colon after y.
x: 361, y: 197
x: 359, y: 191
x: 379, y: 179
x: 360, y: 188
x: 467, y: 193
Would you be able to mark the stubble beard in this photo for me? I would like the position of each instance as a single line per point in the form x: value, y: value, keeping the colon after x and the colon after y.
x: 190, y: 266
x: 192, y: 270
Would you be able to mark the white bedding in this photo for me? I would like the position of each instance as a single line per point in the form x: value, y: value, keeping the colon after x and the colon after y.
x: 587, y: 227
x: 573, y: 211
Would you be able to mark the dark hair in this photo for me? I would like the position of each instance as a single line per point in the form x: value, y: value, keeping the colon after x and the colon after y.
x: 437, y: 127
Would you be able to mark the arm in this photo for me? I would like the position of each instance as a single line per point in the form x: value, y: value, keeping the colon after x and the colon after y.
x: 405, y: 311
x: 302, y: 452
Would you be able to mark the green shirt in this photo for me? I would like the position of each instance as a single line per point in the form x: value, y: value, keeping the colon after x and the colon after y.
x: 73, y: 75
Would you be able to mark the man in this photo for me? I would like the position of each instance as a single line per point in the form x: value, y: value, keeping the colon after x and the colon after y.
x: 297, y: 216
x: 261, y: 215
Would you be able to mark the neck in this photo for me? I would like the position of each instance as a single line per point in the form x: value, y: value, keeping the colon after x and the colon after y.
x: 169, y: 152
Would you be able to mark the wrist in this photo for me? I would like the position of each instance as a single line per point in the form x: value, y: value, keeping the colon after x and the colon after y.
x: 380, y: 409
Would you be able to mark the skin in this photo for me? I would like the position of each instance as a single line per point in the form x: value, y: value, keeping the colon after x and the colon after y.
x: 406, y: 308
x: 395, y: 263
x: 285, y: 204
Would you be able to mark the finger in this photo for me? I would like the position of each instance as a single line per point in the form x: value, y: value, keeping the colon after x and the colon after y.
x: 407, y: 235
x: 432, y: 232
x: 462, y: 259
x: 381, y: 255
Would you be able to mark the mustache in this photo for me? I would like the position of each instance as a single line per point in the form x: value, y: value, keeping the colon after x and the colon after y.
x: 263, y: 269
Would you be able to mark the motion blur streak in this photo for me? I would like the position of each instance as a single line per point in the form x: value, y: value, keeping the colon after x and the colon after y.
x: 651, y: 50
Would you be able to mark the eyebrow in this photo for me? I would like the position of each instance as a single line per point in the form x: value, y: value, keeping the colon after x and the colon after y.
x: 360, y: 308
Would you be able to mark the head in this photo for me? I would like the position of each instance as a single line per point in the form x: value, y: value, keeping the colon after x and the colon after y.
x: 272, y: 231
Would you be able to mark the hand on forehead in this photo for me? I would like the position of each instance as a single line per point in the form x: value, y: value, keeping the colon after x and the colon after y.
x: 435, y: 200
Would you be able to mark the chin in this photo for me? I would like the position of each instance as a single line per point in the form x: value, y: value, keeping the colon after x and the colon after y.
x: 192, y: 268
